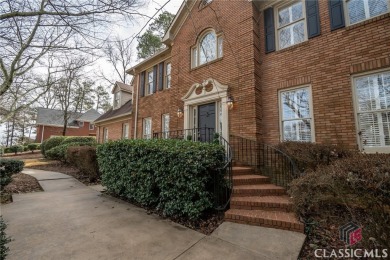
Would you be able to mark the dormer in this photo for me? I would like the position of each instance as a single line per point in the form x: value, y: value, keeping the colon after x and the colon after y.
x: 122, y: 93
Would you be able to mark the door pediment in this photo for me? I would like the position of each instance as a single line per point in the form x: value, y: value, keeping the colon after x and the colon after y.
x: 209, y: 89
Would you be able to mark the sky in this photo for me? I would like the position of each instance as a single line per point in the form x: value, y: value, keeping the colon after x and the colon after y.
x: 129, y: 30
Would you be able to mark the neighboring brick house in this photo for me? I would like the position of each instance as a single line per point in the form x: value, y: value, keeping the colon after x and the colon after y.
x: 308, y: 84
x: 117, y: 122
x: 50, y: 122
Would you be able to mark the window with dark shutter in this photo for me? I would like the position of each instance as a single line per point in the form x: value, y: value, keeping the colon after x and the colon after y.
x: 161, y: 76
x: 269, y: 30
x: 142, y: 83
x: 336, y: 13
x: 154, y: 78
x: 313, y: 18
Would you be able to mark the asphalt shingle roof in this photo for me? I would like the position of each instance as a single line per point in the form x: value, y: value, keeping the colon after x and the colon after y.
x: 55, y: 117
x: 125, y: 109
x: 89, y: 116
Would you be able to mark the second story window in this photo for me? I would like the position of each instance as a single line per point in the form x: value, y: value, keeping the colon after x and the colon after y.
x: 117, y: 97
x: 168, y: 75
x: 149, y: 82
x: 291, y: 25
x: 360, y: 10
x: 208, y: 49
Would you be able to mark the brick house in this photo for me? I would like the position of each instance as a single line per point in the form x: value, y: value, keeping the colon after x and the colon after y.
x: 117, y: 122
x: 269, y: 71
x: 50, y: 122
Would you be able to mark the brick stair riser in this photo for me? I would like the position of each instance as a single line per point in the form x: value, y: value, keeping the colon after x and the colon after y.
x: 249, y: 193
x: 250, y: 181
x: 263, y: 206
x: 242, y: 172
x: 270, y: 224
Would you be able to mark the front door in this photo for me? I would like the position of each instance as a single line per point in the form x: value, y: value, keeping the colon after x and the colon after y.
x: 206, y: 122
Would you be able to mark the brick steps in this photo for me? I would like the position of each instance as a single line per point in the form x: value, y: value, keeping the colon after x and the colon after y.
x: 258, y: 190
x: 281, y: 203
x: 249, y: 179
x: 265, y: 218
x: 255, y: 201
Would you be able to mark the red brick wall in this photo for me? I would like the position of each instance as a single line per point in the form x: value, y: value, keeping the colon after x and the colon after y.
x: 56, y: 131
x: 114, y: 129
x: 327, y: 63
x: 237, y: 21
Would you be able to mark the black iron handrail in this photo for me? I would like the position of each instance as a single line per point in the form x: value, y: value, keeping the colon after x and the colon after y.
x: 265, y: 159
x: 222, y: 190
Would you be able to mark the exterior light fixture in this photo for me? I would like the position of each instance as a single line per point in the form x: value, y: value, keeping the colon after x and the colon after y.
x: 230, y: 102
x: 179, y: 113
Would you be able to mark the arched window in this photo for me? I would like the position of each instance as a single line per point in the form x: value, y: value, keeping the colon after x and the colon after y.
x: 207, y: 49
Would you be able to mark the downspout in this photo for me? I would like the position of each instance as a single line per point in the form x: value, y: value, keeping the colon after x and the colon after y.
x: 136, y: 109
x: 43, y: 130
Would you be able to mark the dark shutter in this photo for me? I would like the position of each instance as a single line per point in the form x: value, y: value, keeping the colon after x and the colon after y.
x: 336, y: 13
x: 142, y: 83
x: 154, y: 78
x: 269, y: 30
x: 161, y: 76
x: 313, y: 18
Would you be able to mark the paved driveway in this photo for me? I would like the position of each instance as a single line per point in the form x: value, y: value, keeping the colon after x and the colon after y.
x: 71, y: 221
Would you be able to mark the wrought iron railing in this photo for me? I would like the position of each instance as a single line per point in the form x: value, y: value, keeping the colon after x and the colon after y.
x: 265, y: 159
x: 221, y: 190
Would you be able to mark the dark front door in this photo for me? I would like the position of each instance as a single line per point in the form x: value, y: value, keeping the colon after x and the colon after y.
x: 206, y: 122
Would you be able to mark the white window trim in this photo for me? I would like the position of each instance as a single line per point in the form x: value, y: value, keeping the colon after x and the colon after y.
x: 147, y: 84
x: 195, y: 62
x: 346, y: 14
x: 144, y: 134
x: 280, y: 91
x: 125, y: 132
x: 81, y: 123
x: 276, y: 22
x: 165, y: 131
x: 91, y: 126
x: 105, y: 134
x: 356, y: 111
x: 117, y: 94
x: 166, y: 75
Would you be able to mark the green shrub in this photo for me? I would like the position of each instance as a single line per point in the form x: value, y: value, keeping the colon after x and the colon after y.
x: 7, y: 168
x: 59, y: 152
x: 79, y: 139
x: 308, y: 156
x: 25, y: 148
x: 2, y: 150
x: 353, y: 189
x: 175, y: 176
x: 51, y: 143
x: 84, y: 158
x: 7, y: 150
x: 4, y: 239
x: 16, y: 149
x: 33, y: 146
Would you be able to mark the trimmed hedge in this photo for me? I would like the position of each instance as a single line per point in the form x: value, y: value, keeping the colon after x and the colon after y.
x: 174, y: 176
x: 4, y: 240
x: 33, y: 146
x: 51, y: 143
x: 84, y: 158
x: 16, y: 149
x: 59, y: 152
x: 11, y: 166
x: 79, y: 139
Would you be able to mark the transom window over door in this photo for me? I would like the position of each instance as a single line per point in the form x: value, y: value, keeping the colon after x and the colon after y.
x: 373, y: 110
x: 291, y: 25
x: 296, y: 117
x: 360, y: 10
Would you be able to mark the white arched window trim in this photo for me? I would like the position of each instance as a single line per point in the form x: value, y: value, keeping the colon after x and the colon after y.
x: 197, y: 50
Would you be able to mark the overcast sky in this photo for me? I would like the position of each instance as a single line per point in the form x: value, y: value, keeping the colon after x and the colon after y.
x: 129, y: 30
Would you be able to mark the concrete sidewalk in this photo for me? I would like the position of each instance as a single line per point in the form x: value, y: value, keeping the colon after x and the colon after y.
x: 72, y: 221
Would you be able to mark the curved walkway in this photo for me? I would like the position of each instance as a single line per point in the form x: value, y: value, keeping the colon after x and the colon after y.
x: 72, y: 221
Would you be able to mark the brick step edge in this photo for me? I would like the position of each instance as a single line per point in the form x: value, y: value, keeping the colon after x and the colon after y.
x: 265, y: 222
x: 261, y: 205
x: 250, y: 179
x: 257, y: 192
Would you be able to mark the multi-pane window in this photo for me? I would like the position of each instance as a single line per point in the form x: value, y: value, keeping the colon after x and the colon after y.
x: 91, y: 126
x: 209, y: 48
x: 168, y: 75
x: 125, y: 131
x: 149, y: 82
x: 296, y: 119
x: 117, y: 97
x: 147, y: 128
x: 359, y: 10
x: 105, y: 134
x: 291, y: 25
x: 165, y: 125
x: 373, y: 109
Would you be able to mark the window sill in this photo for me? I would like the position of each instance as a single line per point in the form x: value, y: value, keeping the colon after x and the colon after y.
x: 304, y: 43
x: 362, y: 23
x: 206, y: 64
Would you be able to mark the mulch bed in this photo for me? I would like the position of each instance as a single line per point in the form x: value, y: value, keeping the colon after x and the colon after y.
x: 206, y: 225
x: 68, y: 170
x: 23, y: 183
x: 24, y: 155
